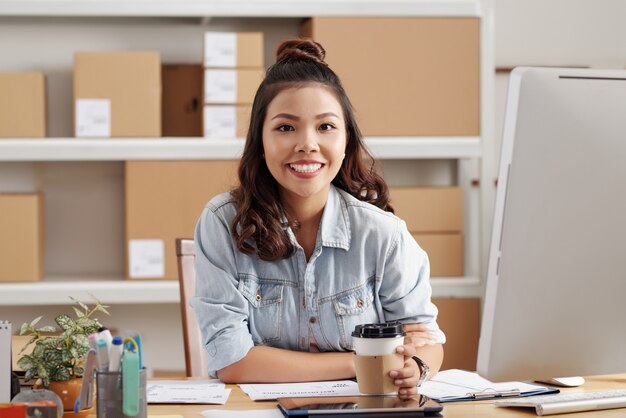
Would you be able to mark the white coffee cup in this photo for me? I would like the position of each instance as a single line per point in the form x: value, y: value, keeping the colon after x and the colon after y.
x: 375, y: 356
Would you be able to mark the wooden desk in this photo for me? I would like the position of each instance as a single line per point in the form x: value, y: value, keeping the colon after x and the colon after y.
x: 478, y: 409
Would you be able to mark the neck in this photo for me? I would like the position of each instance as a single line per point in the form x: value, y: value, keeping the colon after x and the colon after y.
x: 306, y: 210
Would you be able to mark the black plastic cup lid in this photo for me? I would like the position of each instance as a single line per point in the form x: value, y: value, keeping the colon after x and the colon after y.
x: 386, y: 330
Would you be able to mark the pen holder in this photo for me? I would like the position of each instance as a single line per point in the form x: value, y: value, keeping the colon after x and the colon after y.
x: 110, y: 395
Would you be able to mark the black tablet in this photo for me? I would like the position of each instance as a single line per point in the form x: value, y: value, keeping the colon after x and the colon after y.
x: 354, y: 406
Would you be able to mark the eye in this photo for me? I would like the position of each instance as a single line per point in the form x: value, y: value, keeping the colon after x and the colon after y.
x: 285, y: 128
x: 326, y: 127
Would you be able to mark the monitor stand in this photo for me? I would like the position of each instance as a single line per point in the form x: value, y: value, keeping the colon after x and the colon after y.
x: 568, y: 382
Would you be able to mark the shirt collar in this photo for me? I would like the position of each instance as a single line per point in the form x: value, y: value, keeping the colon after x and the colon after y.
x: 335, y: 223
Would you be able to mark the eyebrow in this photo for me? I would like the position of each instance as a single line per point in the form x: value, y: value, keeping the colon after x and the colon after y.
x: 296, y: 118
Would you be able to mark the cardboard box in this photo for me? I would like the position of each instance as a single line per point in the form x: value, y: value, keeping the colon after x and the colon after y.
x: 459, y: 318
x: 445, y: 253
x: 226, y: 121
x: 181, y: 104
x: 163, y: 201
x: 231, y: 86
x: 22, y: 105
x: 117, y: 94
x: 21, y: 237
x: 429, y: 209
x: 233, y: 49
x: 406, y: 76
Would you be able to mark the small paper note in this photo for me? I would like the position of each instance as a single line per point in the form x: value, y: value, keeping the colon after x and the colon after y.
x: 187, y: 392
x: 146, y: 258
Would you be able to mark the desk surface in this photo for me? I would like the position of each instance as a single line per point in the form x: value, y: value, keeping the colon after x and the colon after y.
x: 484, y: 409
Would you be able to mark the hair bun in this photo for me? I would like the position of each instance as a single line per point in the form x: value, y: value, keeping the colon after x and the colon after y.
x: 300, y: 49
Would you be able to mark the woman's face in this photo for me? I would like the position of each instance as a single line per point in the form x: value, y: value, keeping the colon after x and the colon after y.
x: 304, y: 141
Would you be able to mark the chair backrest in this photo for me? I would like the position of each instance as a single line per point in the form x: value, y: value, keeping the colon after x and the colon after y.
x: 195, y: 355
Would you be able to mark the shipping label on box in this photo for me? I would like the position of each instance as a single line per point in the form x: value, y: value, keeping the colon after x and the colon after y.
x: 220, y: 121
x: 231, y: 86
x: 146, y: 258
x: 93, y: 118
x: 232, y: 49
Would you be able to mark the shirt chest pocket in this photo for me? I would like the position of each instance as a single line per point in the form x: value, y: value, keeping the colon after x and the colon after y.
x: 352, y: 308
x: 265, y: 302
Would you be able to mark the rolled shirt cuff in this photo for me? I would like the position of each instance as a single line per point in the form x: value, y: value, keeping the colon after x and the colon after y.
x: 228, y: 348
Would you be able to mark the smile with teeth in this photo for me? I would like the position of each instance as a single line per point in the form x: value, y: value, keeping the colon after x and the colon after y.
x: 306, y: 168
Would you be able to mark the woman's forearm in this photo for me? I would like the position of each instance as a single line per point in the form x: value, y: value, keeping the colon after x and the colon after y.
x: 272, y: 365
x: 431, y: 355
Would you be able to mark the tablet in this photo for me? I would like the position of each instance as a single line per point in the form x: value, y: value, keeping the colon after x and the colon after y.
x: 354, y: 406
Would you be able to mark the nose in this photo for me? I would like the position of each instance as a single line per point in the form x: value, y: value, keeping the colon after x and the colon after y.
x: 307, y: 142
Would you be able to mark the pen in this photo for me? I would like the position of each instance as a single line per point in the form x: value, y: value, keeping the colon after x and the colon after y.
x: 115, y: 354
x: 102, y: 352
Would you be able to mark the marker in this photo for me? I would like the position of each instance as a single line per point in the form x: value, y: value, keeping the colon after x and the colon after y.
x: 102, y: 352
x: 130, y: 380
x: 115, y: 354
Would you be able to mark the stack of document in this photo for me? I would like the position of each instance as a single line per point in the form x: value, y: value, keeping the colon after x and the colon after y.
x: 187, y: 391
x: 460, y: 385
x: 271, y: 391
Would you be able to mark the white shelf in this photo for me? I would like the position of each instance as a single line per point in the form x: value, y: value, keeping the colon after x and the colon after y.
x: 56, y: 291
x: 121, y: 149
x: 240, y: 8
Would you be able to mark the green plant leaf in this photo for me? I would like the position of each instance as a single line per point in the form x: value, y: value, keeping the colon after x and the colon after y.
x: 44, y: 375
x: 26, y: 362
x: 60, y: 375
x: 24, y: 329
x: 103, y: 308
x: 79, y: 313
x: 32, y: 340
x: 47, y: 328
x: 65, y: 322
x: 30, y: 374
x: 79, y: 371
x: 35, y: 321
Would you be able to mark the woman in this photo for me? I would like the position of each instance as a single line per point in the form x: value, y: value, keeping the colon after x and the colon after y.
x: 307, y: 246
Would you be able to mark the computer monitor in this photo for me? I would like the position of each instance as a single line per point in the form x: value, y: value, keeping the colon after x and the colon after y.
x: 555, y: 297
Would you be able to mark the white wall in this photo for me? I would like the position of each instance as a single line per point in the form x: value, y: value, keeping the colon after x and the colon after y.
x: 588, y: 33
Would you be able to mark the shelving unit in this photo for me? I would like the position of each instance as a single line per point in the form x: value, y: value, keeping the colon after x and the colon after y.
x: 472, y: 153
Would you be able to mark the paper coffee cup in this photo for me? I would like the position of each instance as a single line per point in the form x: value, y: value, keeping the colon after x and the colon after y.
x: 375, y: 356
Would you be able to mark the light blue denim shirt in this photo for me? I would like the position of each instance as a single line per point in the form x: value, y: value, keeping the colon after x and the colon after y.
x: 365, y: 268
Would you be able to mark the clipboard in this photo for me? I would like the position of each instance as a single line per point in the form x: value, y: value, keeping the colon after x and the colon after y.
x: 459, y: 385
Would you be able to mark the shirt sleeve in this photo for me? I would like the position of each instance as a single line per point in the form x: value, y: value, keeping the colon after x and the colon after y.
x: 405, y: 290
x: 221, y: 310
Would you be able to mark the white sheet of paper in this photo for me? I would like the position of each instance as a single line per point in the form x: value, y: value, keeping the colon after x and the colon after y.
x: 146, y: 258
x: 270, y: 391
x: 250, y: 413
x: 456, y: 383
x: 187, y: 391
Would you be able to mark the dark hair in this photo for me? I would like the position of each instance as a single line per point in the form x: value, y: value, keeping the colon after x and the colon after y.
x: 260, y: 217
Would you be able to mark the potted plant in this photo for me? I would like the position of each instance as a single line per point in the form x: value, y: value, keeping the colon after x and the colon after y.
x: 58, y: 360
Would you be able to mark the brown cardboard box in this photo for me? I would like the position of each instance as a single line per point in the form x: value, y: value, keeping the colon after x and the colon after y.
x: 233, y: 49
x: 182, y: 100
x: 459, y: 318
x: 406, y: 76
x: 445, y: 253
x: 429, y: 209
x: 131, y: 80
x: 22, y: 105
x: 226, y: 121
x: 21, y: 237
x: 164, y: 200
x: 231, y: 86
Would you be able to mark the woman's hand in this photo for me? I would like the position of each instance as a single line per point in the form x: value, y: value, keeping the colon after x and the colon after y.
x: 406, y: 378
x: 418, y: 335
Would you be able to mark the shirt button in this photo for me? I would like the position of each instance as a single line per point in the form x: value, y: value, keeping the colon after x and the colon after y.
x: 359, y: 303
x: 258, y: 296
x: 312, y: 320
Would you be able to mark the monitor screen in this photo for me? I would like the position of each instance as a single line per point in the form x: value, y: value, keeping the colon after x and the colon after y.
x: 555, y: 296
